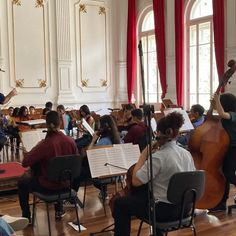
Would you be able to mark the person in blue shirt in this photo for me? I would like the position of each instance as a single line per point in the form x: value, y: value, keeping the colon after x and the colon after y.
x: 197, y: 118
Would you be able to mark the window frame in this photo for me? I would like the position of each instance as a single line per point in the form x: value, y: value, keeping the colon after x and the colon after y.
x: 141, y: 34
x: 188, y: 23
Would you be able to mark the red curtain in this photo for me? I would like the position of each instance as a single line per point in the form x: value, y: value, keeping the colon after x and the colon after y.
x: 179, y: 49
x: 131, y: 48
x: 159, y: 19
x: 218, y: 26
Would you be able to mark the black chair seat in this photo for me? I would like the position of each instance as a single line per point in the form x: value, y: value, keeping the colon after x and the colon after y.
x: 60, y: 169
x: 54, y: 196
x: 172, y: 225
x: 184, y: 189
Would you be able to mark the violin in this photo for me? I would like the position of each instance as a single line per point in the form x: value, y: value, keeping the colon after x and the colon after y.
x: 208, y: 145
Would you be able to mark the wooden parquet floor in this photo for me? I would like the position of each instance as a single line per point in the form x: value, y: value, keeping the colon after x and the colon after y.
x: 94, y: 219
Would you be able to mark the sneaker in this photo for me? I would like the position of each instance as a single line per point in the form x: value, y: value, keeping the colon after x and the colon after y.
x: 69, y: 204
x: 102, y: 195
x: 17, y: 223
x: 59, y: 214
x: 220, y: 207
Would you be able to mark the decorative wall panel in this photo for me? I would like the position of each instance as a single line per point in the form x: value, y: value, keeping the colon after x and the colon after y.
x: 91, y: 45
x: 29, y: 52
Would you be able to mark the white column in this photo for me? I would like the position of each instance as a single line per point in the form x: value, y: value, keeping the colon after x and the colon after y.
x: 64, y: 59
x: 120, y: 11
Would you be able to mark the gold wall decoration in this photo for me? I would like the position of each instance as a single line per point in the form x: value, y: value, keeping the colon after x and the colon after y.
x: 39, y: 3
x: 103, y: 82
x: 19, y: 83
x: 102, y: 11
x: 42, y: 83
x: 82, y: 8
x: 16, y: 2
x: 84, y: 82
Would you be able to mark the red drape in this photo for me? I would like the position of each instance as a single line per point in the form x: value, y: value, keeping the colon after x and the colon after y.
x: 131, y: 48
x: 179, y: 49
x: 218, y: 26
x: 159, y: 19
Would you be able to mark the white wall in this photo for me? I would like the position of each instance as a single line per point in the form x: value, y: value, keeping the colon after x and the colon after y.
x: 51, y: 45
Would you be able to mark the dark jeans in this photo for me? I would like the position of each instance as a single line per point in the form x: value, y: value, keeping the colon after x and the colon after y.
x: 128, y: 206
x: 26, y: 185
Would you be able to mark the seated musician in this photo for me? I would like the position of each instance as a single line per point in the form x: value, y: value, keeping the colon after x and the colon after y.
x: 65, y: 119
x: 48, y: 107
x: 197, y: 118
x: 127, y: 118
x: 54, y: 144
x: 23, y: 115
x: 137, y: 129
x: 167, y: 160
x: 31, y: 111
x: 86, y: 138
x: 107, y: 135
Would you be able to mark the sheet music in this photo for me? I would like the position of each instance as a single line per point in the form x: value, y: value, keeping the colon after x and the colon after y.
x: 121, y: 155
x: 187, y: 123
x: 34, y: 122
x: 87, y: 126
x: 31, y: 138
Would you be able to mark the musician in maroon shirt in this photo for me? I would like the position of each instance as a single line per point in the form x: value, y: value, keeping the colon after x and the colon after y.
x: 137, y: 129
x: 54, y: 144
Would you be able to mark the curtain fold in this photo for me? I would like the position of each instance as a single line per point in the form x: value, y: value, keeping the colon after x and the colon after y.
x: 131, y: 48
x: 179, y: 49
x: 218, y: 26
x: 159, y: 19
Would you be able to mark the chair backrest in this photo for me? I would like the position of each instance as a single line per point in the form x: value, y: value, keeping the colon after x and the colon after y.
x: 182, y: 182
x: 58, y: 167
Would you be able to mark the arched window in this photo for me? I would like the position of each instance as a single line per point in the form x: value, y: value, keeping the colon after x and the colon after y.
x: 151, y: 75
x: 201, y: 74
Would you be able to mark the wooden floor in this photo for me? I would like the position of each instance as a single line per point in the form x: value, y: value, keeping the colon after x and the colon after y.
x: 94, y: 219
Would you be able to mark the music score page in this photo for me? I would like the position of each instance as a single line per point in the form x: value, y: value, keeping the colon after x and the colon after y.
x: 111, y: 161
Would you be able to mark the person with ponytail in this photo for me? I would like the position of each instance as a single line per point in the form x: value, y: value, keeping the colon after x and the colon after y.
x: 56, y: 143
x: 168, y: 159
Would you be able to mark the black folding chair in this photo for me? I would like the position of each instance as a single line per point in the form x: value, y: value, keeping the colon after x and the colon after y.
x: 60, y: 169
x: 184, y: 189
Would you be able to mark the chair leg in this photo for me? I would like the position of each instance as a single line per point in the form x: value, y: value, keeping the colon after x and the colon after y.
x: 140, y: 227
x: 34, y: 205
x: 194, y: 230
x: 49, y: 226
x: 77, y: 215
x: 85, y: 189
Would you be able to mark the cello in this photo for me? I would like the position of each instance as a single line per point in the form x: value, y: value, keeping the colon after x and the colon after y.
x: 208, y: 145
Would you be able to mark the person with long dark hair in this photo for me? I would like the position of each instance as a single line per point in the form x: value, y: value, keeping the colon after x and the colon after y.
x: 168, y: 159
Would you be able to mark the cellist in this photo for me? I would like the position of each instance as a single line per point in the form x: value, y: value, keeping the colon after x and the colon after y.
x: 168, y: 159
x: 225, y: 104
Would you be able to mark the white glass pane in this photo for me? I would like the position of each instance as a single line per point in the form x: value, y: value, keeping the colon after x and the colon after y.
x: 193, y: 99
x: 193, y: 69
x: 148, y: 22
x: 144, y: 44
x: 193, y: 35
x: 204, y: 33
x: 204, y: 69
x: 151, y: 43
x: 201, y: 8
x: 204, y: 100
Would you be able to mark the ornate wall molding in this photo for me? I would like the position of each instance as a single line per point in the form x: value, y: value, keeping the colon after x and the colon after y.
x: 29, y: 45
x: 92, y: 45
x: 65, y: 93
